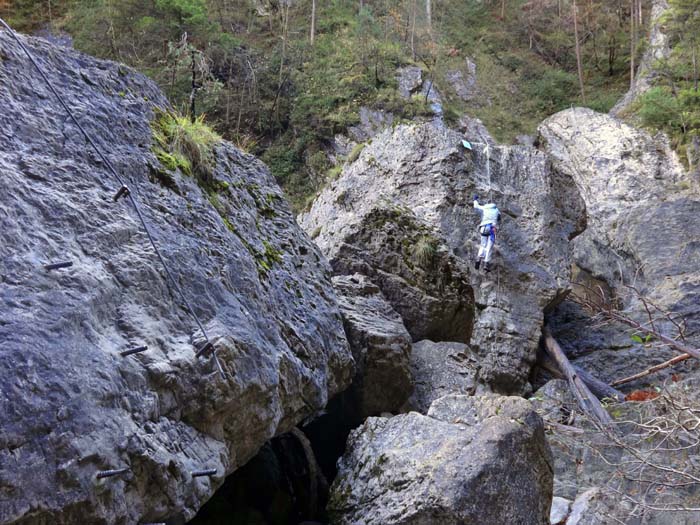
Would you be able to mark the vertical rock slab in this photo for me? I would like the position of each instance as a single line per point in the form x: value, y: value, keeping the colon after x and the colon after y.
x: 422, y: 175
x: 643, y: 218
x: 71, y: 405
x: 380, y: 345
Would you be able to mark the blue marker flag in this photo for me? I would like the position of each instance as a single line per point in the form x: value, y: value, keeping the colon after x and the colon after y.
x: 466, y: 144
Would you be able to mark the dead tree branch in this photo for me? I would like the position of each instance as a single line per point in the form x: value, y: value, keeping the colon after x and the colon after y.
x: 586, y: 400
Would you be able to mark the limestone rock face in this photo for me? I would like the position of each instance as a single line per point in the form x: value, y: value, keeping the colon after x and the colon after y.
x: 409, y: 79
x: 420, y: 175
x: 380, y: 344
x: 417, y: 273
x: 372, y: 122
x: 643, y: 215
x: 439, y: 369
x: 470, y: 460
x: 464, y: 82
x: 70, y: 404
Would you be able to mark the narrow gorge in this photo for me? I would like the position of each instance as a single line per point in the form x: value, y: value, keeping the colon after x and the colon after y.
x: 194, y: 352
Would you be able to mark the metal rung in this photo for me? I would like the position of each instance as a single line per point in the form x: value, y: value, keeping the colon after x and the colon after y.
x: 58, y: 265
x: 208, y: 347
x: 131, y: 351
x: 109, y: 473
x: 207, y: 472
x: 123, y: 192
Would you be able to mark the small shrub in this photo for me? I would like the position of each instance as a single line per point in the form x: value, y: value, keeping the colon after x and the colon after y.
x: 657, y: 108
x: 551, y: 90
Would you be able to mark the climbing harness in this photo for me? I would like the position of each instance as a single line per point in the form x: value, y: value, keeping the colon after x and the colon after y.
x: 488, y: 230
x: 122, y: 192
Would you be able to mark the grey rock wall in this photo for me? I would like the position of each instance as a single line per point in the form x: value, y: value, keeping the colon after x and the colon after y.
x: 70, y: 405
x: 470, y: 460
x: 380, y: 344
x: 423, y: 173
x: 643, y: 222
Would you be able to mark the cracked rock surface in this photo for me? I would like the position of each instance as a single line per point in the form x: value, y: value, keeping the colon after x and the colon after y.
x: 469, y: 460
x: 70, y: 405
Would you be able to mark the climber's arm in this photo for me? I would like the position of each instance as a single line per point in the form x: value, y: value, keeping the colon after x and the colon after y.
x: 478, y: 206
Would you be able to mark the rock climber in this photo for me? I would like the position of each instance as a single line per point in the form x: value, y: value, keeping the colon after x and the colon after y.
x: 490, y: 218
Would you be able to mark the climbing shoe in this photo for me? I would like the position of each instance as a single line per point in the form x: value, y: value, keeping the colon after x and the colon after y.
x: 487, y: 267
x: 477, y: 263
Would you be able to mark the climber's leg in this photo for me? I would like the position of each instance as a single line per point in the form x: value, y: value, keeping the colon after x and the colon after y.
x: 488, y: 248
x: 482, y: 250
x: 490, y: 241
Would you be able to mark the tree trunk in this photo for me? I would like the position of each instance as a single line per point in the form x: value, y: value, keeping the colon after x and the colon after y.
x: 695, y: 68
x: 600, y: 389
x: 578, y: 54
x: 193, y: 93
x: 429, y: 14
x: 633, y: 38
x: 312, y: 35
x: 413, y: 32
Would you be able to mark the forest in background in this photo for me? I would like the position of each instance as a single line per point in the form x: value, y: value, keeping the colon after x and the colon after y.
x: 281, y: 78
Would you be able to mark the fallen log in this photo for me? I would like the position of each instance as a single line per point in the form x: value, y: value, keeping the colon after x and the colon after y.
x: 586, y: 400
x: 599, y: 388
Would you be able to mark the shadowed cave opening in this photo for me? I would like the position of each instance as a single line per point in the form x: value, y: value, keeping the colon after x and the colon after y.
x: 287, y: 482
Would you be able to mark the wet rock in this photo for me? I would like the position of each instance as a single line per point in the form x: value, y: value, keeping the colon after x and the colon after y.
x: 422, y: 175
x: 470, y: 460
x: 380, y: 344
x: 71, y: 405
x: 439, y: 369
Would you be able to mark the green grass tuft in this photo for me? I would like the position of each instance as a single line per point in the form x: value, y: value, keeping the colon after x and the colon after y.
x: 424, y: 251
x: 181, y: 143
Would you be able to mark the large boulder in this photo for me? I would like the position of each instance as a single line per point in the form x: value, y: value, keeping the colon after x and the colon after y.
x: 415, y: 270
x: 439, y: 369
x: 380, y: 345
x: 371, y: 219
x: 71, y: 405
x: 643, y: 215
x: 470, y: 460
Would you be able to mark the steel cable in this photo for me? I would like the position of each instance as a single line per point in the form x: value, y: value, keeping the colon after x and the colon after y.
x: 129, y: 194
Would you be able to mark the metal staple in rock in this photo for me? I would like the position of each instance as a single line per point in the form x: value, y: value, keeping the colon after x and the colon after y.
x: 122, y: 192
x: 111, y: 473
